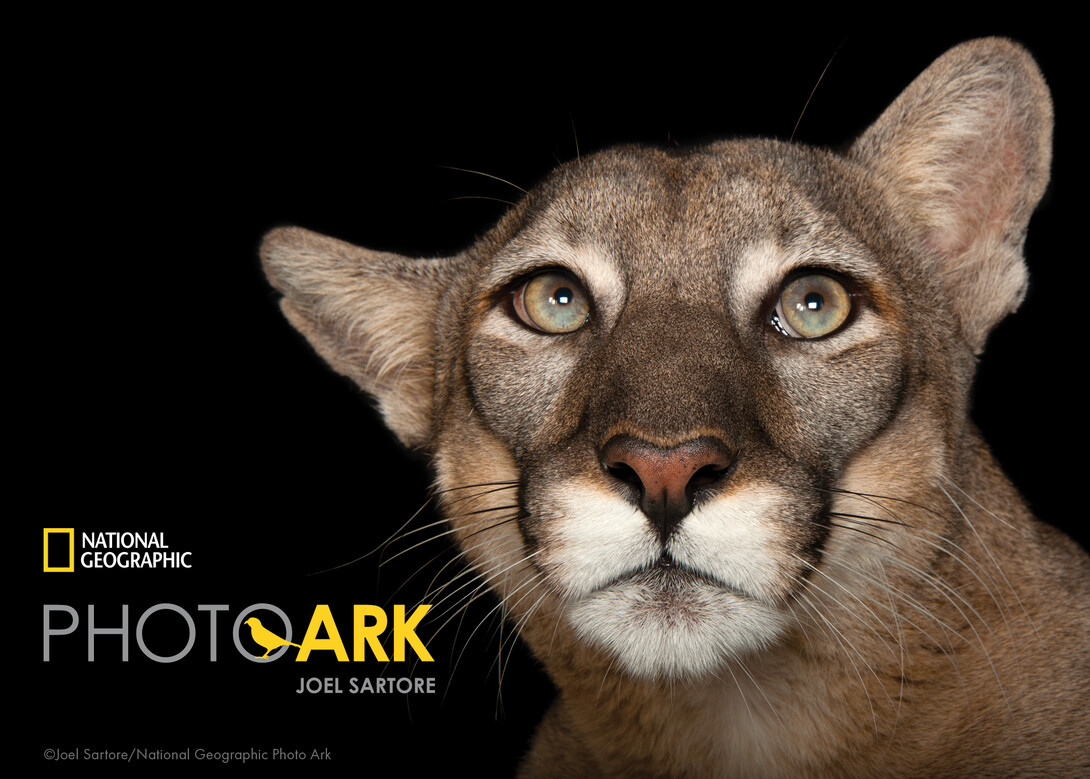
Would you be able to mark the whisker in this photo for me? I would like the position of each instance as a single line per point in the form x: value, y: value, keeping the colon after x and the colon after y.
x: 814, y: 90
x: 377, y: 548
x: 500, y: 484
x: 995, y: 563
x: 462, y: 556
x: 742, y: 694
x: 444, y: 533
x: 986, y: 549
x: 771, y: 708
x: 845, y: 644
x: 872, y: 519
x: 859, y: 530
x: 483, y: 575
x: 475, y: 495
x: 482, y: 197
x: 486, y: 175
x: 520, y: 624
x: 841, y: 605
x: 574, y: 134
x: 961, y: 556
x: 513, y: 518
x: 603, y: 684
x: 498, y: 607
x: 874, y: 498
x: 908, y: 600
x: 987, y: 511
x: 943, y: 589
x: 473, y: 573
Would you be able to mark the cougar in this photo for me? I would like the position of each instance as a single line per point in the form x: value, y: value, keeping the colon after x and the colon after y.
x: 699, y: 418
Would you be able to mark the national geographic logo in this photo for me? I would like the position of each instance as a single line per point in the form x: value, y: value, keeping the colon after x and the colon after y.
x: 257, y: 640
x: 111, y: 549
x: 63, y: 559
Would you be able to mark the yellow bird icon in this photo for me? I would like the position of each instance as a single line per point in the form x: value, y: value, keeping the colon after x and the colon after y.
x: 266, y: 637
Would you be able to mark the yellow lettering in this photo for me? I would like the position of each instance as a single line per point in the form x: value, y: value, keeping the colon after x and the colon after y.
x: 367, y: 635
x: 406, y: 631
x: 322, y: 618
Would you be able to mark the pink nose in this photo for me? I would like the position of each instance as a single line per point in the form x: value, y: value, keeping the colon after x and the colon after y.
x: 667, y: 479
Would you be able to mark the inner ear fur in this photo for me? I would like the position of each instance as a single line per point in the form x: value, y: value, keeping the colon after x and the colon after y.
x: 965, y: 151
x: 370, y: 314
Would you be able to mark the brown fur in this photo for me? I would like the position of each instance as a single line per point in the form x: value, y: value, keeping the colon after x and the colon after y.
x: 865, y: 594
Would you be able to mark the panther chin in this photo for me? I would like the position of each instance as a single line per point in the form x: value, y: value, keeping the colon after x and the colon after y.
x: 670, y: 622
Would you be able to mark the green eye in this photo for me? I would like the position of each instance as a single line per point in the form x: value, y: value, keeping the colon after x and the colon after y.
x: 811, y: 306
x: 552, y: 302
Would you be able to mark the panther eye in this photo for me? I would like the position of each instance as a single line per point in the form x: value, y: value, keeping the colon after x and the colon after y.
x: 552, y: 302
x: 811, y: 306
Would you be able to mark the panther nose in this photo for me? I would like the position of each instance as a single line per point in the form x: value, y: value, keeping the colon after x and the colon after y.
x: 668, y: 479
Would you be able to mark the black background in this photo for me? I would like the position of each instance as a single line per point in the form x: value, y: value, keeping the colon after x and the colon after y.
x: 160, y: 388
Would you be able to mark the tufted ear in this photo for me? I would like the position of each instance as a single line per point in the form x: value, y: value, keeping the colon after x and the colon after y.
x: 965, y: 151
x: 370, y: 314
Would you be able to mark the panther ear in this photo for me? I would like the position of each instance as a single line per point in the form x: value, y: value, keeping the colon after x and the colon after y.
x: 370, y: 314
x: 965, y: 152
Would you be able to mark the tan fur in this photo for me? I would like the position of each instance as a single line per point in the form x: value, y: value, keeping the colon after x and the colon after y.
x: 864, y: 593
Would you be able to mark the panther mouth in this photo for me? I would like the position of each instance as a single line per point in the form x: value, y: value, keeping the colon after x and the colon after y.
x: 667, y: 619
x: 669, y: 578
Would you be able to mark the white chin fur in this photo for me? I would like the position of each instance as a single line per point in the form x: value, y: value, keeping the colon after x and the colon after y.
x: 599, y: 553
x: 661, y: 630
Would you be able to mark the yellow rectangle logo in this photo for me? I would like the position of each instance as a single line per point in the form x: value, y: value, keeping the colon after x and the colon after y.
x: 59, y: 531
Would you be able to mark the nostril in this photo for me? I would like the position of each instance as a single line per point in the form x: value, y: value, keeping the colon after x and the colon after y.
x: 625, y: 473
x: 708, y: 475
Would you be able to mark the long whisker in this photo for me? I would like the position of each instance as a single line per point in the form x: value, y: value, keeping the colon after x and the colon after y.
x: 812, y: 91
x: 473, y: 574
x: 482, y: 197
x: 498, y: 607
x: 987, y: 551
x: 841, y: 605
x: 461, y: 555
x: 501, y: 484
x: 486, y: 175
x: 854, y: 528
x: 846, y: 645
x: 875, y: 498
x: 962, y: 558
x: 476, y: 574
x: 517, y: 631
x: 444, y: 533
x: 379, y: 547
x: 771, y: 707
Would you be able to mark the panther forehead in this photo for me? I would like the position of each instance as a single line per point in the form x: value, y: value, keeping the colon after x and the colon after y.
x: 686, y: 222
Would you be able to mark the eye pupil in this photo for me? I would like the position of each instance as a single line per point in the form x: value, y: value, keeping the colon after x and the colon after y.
x: 563, y: 296
x: 814, y: 301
